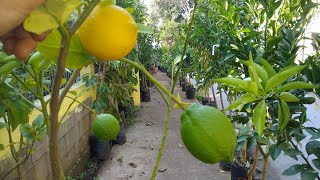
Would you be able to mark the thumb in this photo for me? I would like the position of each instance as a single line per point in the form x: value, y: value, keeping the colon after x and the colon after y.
x: 13, y: 13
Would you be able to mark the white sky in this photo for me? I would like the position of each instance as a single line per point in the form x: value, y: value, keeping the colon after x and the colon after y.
x: 148, y: 3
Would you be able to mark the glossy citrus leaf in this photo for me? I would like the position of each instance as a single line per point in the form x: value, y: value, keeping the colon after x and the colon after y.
x: 230, y: 81
x: 50, y: 15
x: 285, y: 115
x: 271, y: 72
x: 259, y: 116
x: 282, y: 76
x: 144, y: 29
x: 77, y: 56
x: 241, y: 101
x: 296, y: 85
x: 288, y: 97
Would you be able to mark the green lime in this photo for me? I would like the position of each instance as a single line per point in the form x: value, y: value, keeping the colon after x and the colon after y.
x: 106, y: 127
x: 208, y: 134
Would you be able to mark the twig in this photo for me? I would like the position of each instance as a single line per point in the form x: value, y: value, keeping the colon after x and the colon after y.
x: 254, y: 165
x: 68, y: 85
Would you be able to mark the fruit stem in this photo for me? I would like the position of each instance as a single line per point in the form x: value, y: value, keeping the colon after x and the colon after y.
x: 163, y: 141
x: 154, y: 80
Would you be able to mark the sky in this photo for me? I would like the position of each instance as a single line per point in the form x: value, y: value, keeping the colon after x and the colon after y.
x: 148, y: 3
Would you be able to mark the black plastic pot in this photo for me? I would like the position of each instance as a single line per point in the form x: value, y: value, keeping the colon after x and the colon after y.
x: 204, y: 101
x: 184, y: 86
x: 190, y: 92
x: 121, y: 137
x: 145, y: 95
x: 149, y: 83
x: 226, y: 166
x: 99, y: 148
x: 238, y: 172
x: 212, y: 104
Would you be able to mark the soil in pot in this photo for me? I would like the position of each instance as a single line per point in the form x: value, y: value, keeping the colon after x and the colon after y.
x: 191, y: 92
x: 238, y: 172
x: 99, y: 149
x: 145, y: 95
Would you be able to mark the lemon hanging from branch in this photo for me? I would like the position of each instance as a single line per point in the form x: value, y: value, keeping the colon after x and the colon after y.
x: 109, y: 33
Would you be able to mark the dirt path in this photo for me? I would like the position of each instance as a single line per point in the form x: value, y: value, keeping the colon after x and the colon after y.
x: 135, y: 159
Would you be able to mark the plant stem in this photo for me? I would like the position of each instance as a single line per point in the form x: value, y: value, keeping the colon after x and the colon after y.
x: 91, y: 110
x: 214, y: 96
x: 24, y: 98
x: 254, y: 165
x: 154, y: 80
x: 55, y: 105
x: 163, y: 141
x: 19, y: 170
x: 30, y: 90
x: 265, y: 163
x: 57, y: 173
x: 186, y: 42
x: 303, y: 156
x: 69, y: 84
x: 20, y: 162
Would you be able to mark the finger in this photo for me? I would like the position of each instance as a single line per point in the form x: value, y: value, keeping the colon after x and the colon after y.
x: 24, y: 47
x: 8, y: 45
x: 40, y: 37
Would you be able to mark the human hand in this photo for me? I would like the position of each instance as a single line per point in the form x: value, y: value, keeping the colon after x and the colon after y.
x: 15, y: 39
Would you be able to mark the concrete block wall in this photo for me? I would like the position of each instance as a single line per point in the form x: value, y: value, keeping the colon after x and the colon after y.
x: 73, y: 147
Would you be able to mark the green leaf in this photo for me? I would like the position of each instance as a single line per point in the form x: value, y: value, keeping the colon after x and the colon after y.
x: 293, y: 152
x: 38, y: 121
x: 313, y: 147
x: 259, y: 116
x: 309, y: 174
x: 178, y: 59
x: 144, y: 29
x: 296, y: 85
x: 244, y: 30
x: 241, y: 101
x: 50, y: 15
x: 26, y: 131
x: 130, y: 9
x: 9, y: 67
x: 274, y: 151
x: 282, y: 76
x: 292, y: 170
x: 1, y: 147
x: 288, y: 97
x: 316, y: 163
x: 271, y: 72
x: 18, y: 113
x: 77, y: 56
x: 262, y: 73
x: 3, y: 125
x: 272, y: 41
x: 230, y: 81
x: 283, y: 114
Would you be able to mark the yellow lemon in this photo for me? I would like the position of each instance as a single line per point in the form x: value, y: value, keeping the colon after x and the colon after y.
x: 109, y: 33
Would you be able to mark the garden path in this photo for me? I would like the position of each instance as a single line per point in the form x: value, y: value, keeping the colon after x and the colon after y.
x: 135, y: 159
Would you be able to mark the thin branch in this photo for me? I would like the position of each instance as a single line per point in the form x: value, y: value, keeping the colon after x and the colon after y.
x: 30, y: 90
x: 91, y: 110
x: 21, y: 161
x: 69, y: 84
x: 164, y: 89
x: 24, y: 98
x: 83, y: 16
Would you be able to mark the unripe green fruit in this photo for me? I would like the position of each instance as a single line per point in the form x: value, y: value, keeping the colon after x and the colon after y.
x: 208, y: 134
x: 106, y: 127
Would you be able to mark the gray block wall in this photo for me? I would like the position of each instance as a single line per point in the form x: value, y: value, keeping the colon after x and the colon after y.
x: 73, y: 148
